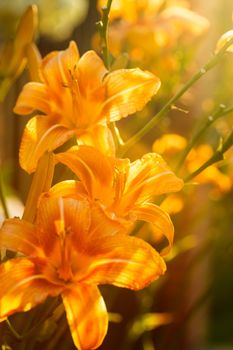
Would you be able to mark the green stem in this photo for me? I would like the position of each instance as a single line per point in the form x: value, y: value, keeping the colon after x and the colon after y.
x: 103, y: 30
x: 168, y: 106
x: 34, y: 328
x: 220, y: 112
x: 216, y: 157
x: 13, y: 331
x: 57, y: 336
x: 2, y: 198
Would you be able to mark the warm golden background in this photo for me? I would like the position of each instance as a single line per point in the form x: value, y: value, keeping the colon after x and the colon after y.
x: 191, y: 307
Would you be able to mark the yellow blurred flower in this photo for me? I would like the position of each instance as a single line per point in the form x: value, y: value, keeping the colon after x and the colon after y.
x: 143, y: 30
x: 170, y: 145
x: 78, y: 96
x: 131, y: 10
x: 66, y: 252
x: 212, y: 174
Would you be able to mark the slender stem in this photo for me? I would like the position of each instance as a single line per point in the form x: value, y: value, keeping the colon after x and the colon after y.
x: 13, y: 331
x: 2, y: 198
x: 103, y: 30
x: 217, y: 156
x: 34, y: 328
x: 168, y: 106
x: 220, y: 112
x: 57, y: 336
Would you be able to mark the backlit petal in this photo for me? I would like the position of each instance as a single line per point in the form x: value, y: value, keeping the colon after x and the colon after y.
x: 123, y: 261
x: 160, y: 220
x: 100, y: 137
x: 91, y: 71
x: 87, y: 316
x: 127, y: 91
x: 34, y: 96
x: 150, y: 176
x: 19, y: 236
x: 93, y: 169
x: 38, y: 137
x: 69, y: 189
x: 58, y: 67
x: 60, y: 216
x: 22, y: 287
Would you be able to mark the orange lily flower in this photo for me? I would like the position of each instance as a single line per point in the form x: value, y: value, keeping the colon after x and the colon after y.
x: 66, y: 252
x: 78, y: 96
x: 122, y: 189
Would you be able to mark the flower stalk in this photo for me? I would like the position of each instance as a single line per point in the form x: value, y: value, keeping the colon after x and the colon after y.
x: 3, y: 199
x: 103, y: 30
x: 168, y: 106
x: 220, y: 112
x: 217, y: 156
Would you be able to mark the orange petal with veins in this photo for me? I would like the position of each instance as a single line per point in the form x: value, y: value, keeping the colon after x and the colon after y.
x: 69, y: 188
x: 100, y: 137
x: 65, y: 213
x: 58, y: 67
x: 34, y: 96
x: 91, y: 71
x: 22, y: 287
x: 128, y: 91
x: 94, y: 170
x: 87, y: 315
x: 19, y: 236
x: 123, y: 261
x: 38, y: 137
x: 160, y: 220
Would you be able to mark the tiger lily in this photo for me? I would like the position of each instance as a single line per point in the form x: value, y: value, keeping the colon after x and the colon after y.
x: 68, y: 252
x: 78, y: 96
x: 123, y: 190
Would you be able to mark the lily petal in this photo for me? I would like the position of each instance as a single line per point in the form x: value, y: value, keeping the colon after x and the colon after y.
x: 56, y: 215
x: 150, y: 176
x: 38, y: 137
x: 128, y: 90
x: 123, y: 261
x: 22, y: 287
x: 58, y: 67
x: 91, y: 71
x: 160, y: 220
x: 100, y: 137
x: 34, y: 96
x: 19, y: 236
x: 93, y: 169
x: 87, y: 316
x: 69, y: 188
